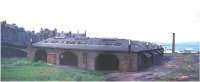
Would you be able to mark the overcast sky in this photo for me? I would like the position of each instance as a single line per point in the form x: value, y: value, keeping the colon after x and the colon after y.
x: 146, y: 20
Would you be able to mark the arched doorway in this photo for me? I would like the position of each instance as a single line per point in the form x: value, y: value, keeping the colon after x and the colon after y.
x: 106, y: 62
x: 68, y: 58
x: 40, y: 55
x: 145, y: 59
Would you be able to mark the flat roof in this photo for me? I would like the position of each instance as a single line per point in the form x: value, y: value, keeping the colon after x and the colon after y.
x: 99, y: 44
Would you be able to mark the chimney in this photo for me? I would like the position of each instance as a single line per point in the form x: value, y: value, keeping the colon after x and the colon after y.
x: 173, y: 43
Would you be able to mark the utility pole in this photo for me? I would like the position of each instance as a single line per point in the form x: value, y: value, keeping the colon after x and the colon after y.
x: 173, y: 43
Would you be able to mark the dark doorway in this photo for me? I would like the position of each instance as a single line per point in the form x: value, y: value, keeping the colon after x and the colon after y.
x: 145, y: 60
x: 68, y: 58
x: 106, y: 62
x: 40, y: 55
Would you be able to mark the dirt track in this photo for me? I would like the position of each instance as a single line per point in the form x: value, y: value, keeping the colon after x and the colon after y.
x: 170, y: 64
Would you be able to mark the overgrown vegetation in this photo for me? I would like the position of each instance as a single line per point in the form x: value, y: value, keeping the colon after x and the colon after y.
x: 19, y: 69
x: 189, y: 68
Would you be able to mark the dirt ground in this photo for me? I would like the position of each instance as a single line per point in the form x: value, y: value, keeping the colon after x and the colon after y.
x: 170, y: 64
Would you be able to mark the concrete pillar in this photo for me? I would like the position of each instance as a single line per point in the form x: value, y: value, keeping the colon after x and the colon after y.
x: 139, y: 62
x: 91, y: 60
x: 134, y: 62
x: 57, y: 59
x: 123, y: 62
x: 81, y: 63
x: 84, y: 58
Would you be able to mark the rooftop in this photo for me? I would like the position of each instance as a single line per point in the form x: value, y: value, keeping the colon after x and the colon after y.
x: 81, y: 42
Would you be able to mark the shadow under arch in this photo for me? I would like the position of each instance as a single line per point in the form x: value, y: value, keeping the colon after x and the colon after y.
x: 106, y: 61
x: 40, y: 55
x: 68, y: 58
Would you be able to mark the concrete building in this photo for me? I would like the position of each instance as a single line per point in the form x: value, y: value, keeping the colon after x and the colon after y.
x: 96, y: 53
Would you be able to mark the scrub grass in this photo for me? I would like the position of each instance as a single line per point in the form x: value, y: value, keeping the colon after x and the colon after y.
x: 20, y: 69
x: 189, y: 67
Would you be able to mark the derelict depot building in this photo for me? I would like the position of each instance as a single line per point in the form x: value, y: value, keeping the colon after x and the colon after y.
x: 96, y: 53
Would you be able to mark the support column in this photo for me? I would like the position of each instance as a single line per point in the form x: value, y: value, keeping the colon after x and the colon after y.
x: 91, y: 58
x: 84, y: 60
x: 81, y: 63
x: 124, y: 62
x: 134, y: 62
x: 57, y: 59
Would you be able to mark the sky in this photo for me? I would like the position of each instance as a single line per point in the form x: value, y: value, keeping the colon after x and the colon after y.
x: 144, y: 20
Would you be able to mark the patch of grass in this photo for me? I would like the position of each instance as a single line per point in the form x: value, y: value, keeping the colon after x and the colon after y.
x: 19, y: 69
x: 189, y: 67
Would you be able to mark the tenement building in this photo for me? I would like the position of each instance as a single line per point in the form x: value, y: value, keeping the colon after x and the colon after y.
x: 80, y: 51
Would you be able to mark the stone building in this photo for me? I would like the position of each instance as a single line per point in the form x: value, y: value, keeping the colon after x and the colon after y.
x: 14, y: 39
x: 13, y: 34
x: 96, y: 53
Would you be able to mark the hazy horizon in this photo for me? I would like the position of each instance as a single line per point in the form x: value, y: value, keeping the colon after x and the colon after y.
x: 143, y: 20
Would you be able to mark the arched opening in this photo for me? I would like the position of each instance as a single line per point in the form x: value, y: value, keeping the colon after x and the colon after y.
x: 40, y: 55
x: 68, y: 58
x: 146, y: 60
x: 106, y: 62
